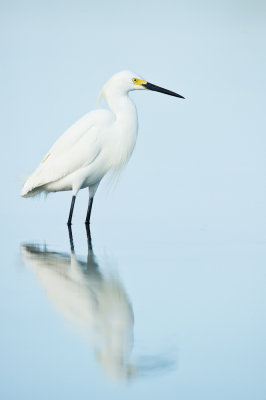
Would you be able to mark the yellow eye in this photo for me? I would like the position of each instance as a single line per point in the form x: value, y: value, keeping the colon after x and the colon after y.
x: 137, y: 81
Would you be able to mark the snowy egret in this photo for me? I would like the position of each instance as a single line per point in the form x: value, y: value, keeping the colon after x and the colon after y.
x: 101, y: 141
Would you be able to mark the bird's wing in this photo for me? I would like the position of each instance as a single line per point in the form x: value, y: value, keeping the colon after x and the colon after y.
x: 76, y: 148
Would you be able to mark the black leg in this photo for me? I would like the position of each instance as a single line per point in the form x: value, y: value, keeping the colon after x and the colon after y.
x: 71, y: 210
x: 87, y: 222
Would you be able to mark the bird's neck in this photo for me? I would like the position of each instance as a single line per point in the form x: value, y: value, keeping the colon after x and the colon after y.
x: 126, y: 122
x: 122, y: 106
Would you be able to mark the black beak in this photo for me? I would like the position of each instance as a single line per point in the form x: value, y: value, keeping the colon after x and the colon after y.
x: 155, y: 88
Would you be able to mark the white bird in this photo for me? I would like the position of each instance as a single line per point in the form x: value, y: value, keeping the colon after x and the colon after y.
x: 101, y: 141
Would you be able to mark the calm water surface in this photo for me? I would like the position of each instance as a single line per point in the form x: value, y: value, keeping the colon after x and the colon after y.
x: 135, y: 313
x: 168, y: 301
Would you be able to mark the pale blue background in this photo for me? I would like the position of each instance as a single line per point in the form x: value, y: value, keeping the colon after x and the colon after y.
x: 185, y: 225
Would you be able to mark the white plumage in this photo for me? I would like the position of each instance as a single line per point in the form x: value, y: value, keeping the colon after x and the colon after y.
x: 100, y: 141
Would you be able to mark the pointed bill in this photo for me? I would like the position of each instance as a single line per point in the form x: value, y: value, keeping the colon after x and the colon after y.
x: 155, y: 88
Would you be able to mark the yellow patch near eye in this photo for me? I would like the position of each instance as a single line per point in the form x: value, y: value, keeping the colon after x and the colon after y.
x: 48, y: 155
x: 139, y: 81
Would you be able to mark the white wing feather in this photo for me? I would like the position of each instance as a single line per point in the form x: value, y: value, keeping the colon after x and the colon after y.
x: 78, y: 147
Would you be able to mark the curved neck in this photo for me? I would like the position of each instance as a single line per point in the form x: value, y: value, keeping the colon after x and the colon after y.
x: 121, y: 105
x: 126, y: 122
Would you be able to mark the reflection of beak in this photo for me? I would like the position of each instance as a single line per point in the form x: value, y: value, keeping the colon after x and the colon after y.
x: 155, y: 88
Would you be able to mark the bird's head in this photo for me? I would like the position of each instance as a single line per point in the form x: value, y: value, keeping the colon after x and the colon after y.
x: 125, y: 81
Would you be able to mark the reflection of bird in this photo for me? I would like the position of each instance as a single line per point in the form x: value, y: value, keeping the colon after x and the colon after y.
x: 94, y: 302
x: 100, y: 141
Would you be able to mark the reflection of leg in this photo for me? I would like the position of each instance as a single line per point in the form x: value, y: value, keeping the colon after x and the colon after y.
x: 71, y: 210
x: 88, y: 217
x: 89, y: 237
x: 71, y: 239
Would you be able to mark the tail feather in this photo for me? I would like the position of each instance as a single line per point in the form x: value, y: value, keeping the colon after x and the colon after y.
x: 32, y: 192
x: 29, y: 190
